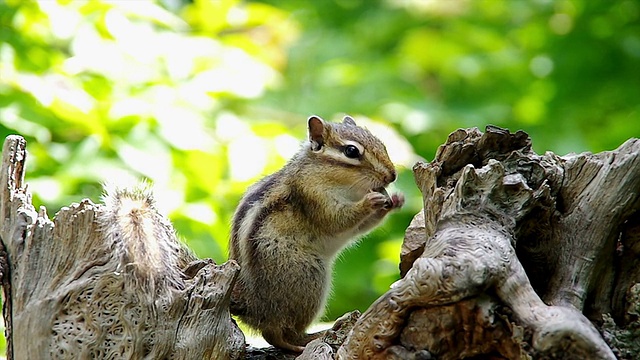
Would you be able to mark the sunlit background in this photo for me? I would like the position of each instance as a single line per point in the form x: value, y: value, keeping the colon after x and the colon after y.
x: 204, y: 97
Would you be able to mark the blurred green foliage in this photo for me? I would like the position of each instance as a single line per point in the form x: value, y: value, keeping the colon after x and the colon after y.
x: 203, y: 97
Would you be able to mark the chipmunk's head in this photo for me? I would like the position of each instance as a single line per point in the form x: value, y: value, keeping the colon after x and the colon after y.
x: 361, y: 159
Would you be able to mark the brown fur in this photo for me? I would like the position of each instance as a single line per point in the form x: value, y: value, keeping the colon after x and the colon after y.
x: 290, y: 225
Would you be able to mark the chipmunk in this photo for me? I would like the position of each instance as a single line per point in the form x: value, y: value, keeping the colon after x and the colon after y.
x: 289, y: 227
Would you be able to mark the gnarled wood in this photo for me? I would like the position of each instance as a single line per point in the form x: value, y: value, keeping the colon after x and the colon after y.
x: 77, y: 291
x: 515, y: 256
x: 495, y: 216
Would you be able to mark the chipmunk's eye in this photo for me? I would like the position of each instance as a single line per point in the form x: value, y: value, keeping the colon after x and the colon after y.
x: 351, y: 152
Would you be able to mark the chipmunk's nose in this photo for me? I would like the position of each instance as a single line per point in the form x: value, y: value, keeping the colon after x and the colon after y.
x: 391, y: 177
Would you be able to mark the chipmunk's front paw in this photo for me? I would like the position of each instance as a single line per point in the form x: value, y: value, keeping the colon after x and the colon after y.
x: 395, y: 201
x: 377, y: 200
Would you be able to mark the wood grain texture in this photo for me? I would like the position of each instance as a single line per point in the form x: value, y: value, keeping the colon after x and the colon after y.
x: 74, y: 294
x: 518, y: 256
x: 515, y: 255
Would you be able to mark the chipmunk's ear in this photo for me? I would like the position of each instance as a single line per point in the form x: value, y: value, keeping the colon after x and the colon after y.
x: 316, y: 132
x: 348, y: 120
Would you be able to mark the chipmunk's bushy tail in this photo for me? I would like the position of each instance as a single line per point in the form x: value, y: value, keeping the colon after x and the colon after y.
x: 145, y: 242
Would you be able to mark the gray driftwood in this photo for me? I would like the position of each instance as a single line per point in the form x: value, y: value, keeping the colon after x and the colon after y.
x: 515, y: 256
x: 74, y: 291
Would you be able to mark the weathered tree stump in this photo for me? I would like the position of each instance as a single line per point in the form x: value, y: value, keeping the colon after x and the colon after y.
x: 515, y: 256
x: 96, y: 283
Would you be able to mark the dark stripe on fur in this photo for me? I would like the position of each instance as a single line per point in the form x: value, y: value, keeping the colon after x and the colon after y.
x: 261, y: 216
x: 249, y: 200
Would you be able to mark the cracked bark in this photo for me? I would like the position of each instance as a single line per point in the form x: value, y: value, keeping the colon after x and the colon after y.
x: 515, y: 256
x: 73, y: 295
